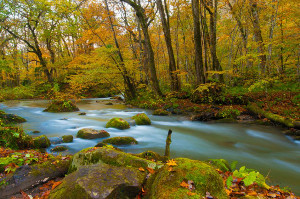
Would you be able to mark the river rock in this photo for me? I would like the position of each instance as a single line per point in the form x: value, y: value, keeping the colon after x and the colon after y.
x: 59, y: 149
x: 56, y: 140
x: 83, y: 113
x: 61, y: 106
x: 109, y: 155
x: 11, y: 118
x: 109, y: 103
x: 36, y: 132
x: 161, y: 112
x: 41, y: 142
x: 121, y: 140
x: 118, y: 123
x: 200, y: 176
x: 67, y: 138
x: 205, y: 116
x: 28, y: 176
x: 150, y: 155
x: 142, y: 119
x: 101, y: 181
x: 88, y: 133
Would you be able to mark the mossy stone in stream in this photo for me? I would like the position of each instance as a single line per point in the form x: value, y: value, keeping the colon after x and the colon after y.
x: 41, y: 142
x: 59, y: 149
x: 142, y: 119
x: 36, y: 132
x: 118, y: 123
x: 161, y: 112
x: 121, y: 140
x: 88, y: 133
x: 67, y: 138
x: 150, y: 155
x: 11, y: 118
x: 61, y: 106
x: 166, y: 184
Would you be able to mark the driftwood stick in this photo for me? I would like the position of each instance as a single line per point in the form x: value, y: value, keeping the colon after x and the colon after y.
x: 168, y: 142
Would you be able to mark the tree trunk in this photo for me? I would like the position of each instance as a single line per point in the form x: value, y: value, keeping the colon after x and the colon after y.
x: 166, y: 28
x: 200, y: 77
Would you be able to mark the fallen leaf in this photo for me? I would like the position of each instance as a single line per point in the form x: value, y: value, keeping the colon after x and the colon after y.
x: 141, y: 169
x: 252, y: 193
x: 171, y: 163
x: 55, y: 184
x: 150, y: 170
x: 24, y: 195
x: 184, y: 184
x: 190, y: 193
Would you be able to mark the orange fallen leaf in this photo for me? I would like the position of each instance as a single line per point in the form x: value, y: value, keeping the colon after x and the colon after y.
x: 252, y: 193
x: 191, y: 193
x: 171, y: 163
x: 24, y: 195
x: 141, y: 169
x: 170, y: 169
x: 151, y: 170
x: 184, y: 184
x: 55, y: 184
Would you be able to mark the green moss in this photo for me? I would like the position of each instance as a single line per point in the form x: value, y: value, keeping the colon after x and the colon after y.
x: 118, y: 123
x: 67, y: 138
x: 11, y: 118
x: 161, y: 112
x: 15, y: 138
x: 59, y: 148
x: 221, y: 164
x: 149, y: 155
x: 167, y: 184
x: 61, y: 106
x: 142, y: 119
x: 41, y: 142
x: 88, y: 133
x: 120, y: 140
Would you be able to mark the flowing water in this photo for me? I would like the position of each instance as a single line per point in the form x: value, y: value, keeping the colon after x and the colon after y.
x: 263, y: 148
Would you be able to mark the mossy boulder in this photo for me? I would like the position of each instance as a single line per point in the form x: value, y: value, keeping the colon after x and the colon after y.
x: 101, y: 181
x: 67, y: 138
x: 36, y: 132
x: 41, y: 142
x: 83, y: 113
x: 59, y: 149
x: 121, y: 140
x: 108, y: 155
x: 166, y: 184
x: 10, y: 118
x: 161, y: 112
x: 118, y: 123
x: 142, y: 119
x: 15, y: 138
x: 88, y: 133
x: 61, y: 106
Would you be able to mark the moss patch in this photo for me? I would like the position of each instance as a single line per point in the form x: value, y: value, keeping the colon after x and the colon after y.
x: 205, y: 178
x: 150, y: 155
x: 88, y: 133
x: 11, y: 118
x: 161, y: 112
x: 120, y: 140
x: 59, y: 149
x: 62, y: 106
x: 142, y: 119
x: 118, y: 123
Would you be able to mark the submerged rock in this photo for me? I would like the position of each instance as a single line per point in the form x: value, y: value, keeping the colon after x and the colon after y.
x: 88, y: 133
x: 41, y: 142
x: 36, y: 132
x: 83, y: 113
x: 142, y: 119
x: 62, y: 106
x: 59, y: 149
x: 161, y: 112
x: 67, y: 138
x: 121, y: 140
x: 56, y: 140
x: 200, y: 176
x: 118, y: 123
x: 109, y: 103
x: 101, y: 181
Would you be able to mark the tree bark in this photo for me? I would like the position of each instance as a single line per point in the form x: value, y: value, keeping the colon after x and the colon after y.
x: 175, y: 86
x: 200, y: 77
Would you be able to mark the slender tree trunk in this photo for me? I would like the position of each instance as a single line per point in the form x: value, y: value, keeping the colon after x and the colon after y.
x: 144, y: 25
x: 200, y: 77
x: 168, y: 40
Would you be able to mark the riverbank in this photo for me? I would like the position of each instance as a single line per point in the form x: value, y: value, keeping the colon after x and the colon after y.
x: 220, y: 179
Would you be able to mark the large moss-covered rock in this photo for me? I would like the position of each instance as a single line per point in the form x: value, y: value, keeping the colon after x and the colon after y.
x: 67, y: 138
x: 29, y: 176
x: 118, y: 123
x: 101, y: 181
x: 110, y: 156
x: 161, y: 112
x: 10, y: 118
x: 142, y: 119
x: 59, y: 149
x: 15, y: 138
x: 121, y: 140
x: 41, y: 142
x: 88, y: 133
x: 166, y: 184
x: 61, y: 106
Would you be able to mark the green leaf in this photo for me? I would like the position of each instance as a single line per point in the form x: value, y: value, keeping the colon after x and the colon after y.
x: 250, y: 179
x: 229, y: 181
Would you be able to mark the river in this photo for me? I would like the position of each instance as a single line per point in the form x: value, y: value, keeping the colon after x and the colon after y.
x: 260, y: 147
